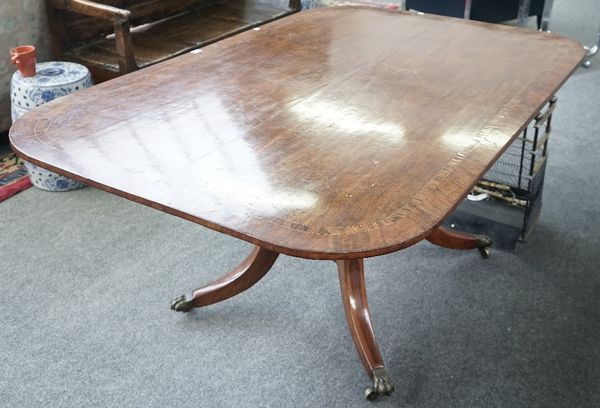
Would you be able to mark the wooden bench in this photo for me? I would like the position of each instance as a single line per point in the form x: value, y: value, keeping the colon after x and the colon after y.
x: 114, y: 37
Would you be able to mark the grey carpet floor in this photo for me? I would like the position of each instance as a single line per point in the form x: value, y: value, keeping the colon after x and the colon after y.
x: 86, y: 279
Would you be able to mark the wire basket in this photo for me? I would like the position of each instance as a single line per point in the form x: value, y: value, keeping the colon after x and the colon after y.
x: 517, y: 177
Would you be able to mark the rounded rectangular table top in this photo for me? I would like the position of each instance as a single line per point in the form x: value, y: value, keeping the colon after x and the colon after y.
x: 334, y: 133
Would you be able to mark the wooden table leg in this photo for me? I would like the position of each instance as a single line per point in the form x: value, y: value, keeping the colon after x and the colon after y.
x: 250, y: 271
x: 354, y: 296
x: 448, y: 238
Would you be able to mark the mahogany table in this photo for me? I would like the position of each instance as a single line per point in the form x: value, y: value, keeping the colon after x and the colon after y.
x: 333, y: 134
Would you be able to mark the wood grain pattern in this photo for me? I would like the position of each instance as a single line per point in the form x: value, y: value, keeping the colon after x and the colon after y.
x: 318, y: 136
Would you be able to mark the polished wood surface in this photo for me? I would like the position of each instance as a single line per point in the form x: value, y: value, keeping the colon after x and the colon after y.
x: 451, y: 239
x: 448, y: 238
x: 356, y: 308
x: 250, y: 271
x: 82, y: 29
x: 331, y: 134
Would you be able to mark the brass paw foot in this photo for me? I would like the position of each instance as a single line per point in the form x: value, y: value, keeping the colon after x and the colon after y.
x: 483, y: 245
x: 382, y: 385
x: 182, y: 304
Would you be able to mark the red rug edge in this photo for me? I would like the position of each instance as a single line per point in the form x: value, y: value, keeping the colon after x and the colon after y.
x: 14, y: 188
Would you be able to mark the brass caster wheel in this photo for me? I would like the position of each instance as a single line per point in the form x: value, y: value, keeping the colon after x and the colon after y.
x: 382, y: 385
x: 182, y: 304
x: 485, y: 252
x: 483, y: 244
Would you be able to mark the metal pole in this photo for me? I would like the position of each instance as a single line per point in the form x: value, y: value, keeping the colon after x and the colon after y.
x: 468, y: 9
x: 546, y: 14
x: 523, y: 15
x: 591, y: 51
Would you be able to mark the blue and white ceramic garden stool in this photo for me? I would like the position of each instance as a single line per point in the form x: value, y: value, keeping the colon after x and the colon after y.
x: 52, y: 80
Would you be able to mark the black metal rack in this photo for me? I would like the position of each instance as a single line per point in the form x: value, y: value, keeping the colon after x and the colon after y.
x: 507, y: 202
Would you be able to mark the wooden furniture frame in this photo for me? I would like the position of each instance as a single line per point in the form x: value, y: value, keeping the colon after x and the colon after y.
x: 284, y: 138
x: 80, y: 28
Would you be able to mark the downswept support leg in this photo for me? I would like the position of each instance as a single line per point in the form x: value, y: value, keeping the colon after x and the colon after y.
x: 356, y: 307
x: 448, y: 238
x: 250, y: 271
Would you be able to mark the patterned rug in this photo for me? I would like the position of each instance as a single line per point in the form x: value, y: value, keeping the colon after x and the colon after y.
x: 13, y: 176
